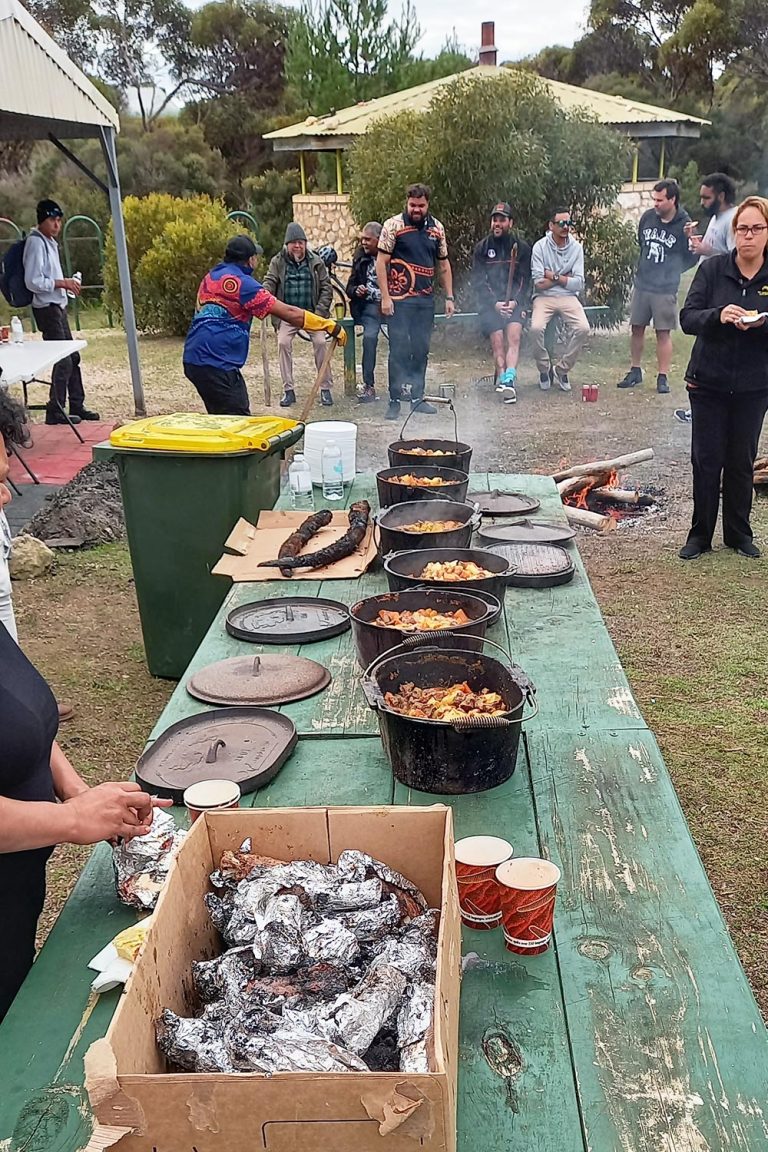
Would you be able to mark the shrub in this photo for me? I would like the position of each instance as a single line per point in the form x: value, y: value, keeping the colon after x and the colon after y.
x: 502, y: 139
x: 171, y: 245
x: 270, y: 199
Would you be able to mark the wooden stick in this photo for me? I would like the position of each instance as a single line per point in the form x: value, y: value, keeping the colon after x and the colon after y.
x: 577, y: 483
x: 321, y: 374
x: 605, y: 465
x: 585, y: 519
x: 265, y: 362
x: 617, y: 495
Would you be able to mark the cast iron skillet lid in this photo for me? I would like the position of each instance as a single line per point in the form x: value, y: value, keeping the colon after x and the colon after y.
x: 503, y: 503
x: 288, y: 620
x: 246, y: 745
x: 536, y: 565
x: 527, y: 532
x: 272, y: 678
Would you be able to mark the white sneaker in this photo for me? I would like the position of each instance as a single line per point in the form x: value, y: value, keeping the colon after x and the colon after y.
x: 510, y: 396
x: 563, y: 382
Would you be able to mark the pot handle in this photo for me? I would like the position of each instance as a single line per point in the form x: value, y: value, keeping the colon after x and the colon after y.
x: 476, y: 519
x: 521, y: 678
x: 471, y: 723
x: 437, y: 400
x: 372, y: 692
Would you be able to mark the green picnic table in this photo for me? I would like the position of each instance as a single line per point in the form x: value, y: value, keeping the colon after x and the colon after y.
x: 636, y: 1032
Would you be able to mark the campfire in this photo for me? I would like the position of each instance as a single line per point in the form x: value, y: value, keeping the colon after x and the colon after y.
x: 593, y: 496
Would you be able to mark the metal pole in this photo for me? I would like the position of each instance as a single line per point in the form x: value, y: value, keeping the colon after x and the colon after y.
x: 662, y: 158
x: 124, y: 271
x: 635, y: 161
x: 339, y: 173
x: 303, y: 171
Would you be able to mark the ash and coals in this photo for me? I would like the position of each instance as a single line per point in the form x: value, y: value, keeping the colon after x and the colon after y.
x: 327, y: 968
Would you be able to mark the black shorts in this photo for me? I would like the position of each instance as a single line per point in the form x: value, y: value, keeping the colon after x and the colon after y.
x: 495, y: 322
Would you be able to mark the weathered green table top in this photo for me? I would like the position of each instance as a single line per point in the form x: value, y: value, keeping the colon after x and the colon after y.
x: 636, y: 1033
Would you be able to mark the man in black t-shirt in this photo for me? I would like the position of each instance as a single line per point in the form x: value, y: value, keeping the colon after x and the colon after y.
x: 412, y: 247
x: 501, y: 276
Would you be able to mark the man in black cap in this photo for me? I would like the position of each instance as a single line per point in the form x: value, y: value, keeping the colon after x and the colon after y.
x: 217, y: 343
x: 501, y: 275
x: 46, y: 281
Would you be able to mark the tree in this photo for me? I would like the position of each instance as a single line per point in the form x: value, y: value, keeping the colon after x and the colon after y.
x: 535, y: 155
x: 344, y: 51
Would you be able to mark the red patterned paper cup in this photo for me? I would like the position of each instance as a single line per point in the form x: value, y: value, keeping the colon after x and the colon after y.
x: 211, y: 796
x: 477, y: 858
x: 527, y: 889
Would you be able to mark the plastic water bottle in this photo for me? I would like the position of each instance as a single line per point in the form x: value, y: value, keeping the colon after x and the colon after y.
x: 17, y: 331
x: 333, y: 472
x: 300, y: 484
x: 79, y: 277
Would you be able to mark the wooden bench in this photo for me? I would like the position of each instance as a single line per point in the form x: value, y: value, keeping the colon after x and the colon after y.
x: 637, y: 1032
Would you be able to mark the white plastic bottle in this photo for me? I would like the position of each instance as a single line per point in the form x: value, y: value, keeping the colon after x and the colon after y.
x: 79, y: 277
x: 333, y: 472
x: 17, y: 331
x: 300, y: 483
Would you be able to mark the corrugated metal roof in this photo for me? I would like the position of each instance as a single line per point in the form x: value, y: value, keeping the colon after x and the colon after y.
x: 356, y: 120
x: 41, y: 90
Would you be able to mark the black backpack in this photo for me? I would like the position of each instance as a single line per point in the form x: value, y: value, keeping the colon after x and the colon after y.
x: 12, y: 284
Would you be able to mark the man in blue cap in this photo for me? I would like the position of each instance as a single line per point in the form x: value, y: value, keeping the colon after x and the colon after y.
x: 49, y: 286
x: 216, y: 347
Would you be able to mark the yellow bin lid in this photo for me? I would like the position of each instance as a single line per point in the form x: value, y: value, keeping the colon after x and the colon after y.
x: 197, y: 432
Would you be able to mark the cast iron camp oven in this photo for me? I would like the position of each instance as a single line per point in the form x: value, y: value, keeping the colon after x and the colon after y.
x: 459, y: 454
x: 389, y: 526
x: 373, y: 640
x: 404, y: 570
x: 454, y: 488
x: 449, y: 757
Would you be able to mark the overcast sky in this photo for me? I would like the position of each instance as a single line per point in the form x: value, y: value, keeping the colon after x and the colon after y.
x: 522, y: 27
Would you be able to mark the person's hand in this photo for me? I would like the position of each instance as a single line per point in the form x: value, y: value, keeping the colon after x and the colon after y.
x: 72, y: 286
x: 108, y: 811
x: 450, y: 308
x: 694, y: 242
x: 5, y: 496
x: 690, y: 227
x: 549, y: 275
x: 731, y: 313
x: 361, y: 290
x: 338, y: 332
x: 387, y: 306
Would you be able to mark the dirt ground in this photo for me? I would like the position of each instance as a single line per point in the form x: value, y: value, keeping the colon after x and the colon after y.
x: 692, y: 637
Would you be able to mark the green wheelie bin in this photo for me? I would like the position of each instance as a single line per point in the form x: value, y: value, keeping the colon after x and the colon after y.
x: 185, y: 480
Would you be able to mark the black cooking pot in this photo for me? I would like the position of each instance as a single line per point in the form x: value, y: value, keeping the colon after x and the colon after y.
x: 449, y: 757
x: 454, y: 488
x: 403, y: 570
x: 393, y: 538
x: 458, y: 455
x: 372, y: 641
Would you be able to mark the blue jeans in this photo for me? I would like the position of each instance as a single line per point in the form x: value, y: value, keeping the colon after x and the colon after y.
x: 370, y: 318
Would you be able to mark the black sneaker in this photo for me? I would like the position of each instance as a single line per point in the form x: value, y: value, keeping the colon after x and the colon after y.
x: 545, y: 381
x: 367, y: 396
x: 326, y: 398
x: 748, y: 549
x: 83, y: 414
x: 633, y: 377
x: 563, y: 382
x: 692, y: 549
x: 393, y: 411
x: 423, y: 407
x: 662, y: 384
x: 288, y: 399
x: 509, y: 396
x: 54, y: 416
x: 683, y: 415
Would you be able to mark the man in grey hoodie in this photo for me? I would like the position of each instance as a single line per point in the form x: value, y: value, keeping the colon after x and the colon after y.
x: 557, y: 273
x: 49, y: 286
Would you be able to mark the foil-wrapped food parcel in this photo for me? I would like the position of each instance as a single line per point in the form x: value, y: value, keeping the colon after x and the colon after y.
x: 327, y: 968
x: 141, y: 865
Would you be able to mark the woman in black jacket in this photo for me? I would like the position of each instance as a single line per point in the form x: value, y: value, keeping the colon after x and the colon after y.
x: 727, y: 380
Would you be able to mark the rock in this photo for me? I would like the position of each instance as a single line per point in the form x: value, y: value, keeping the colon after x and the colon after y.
x: 29, y: 558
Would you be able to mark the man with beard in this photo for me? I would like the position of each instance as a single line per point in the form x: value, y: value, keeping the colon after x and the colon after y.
x: 412, y: 246
x: 501, y: 274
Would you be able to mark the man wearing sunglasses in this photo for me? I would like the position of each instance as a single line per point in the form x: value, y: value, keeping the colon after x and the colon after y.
x: 557, y: 272
x: 664, y: 256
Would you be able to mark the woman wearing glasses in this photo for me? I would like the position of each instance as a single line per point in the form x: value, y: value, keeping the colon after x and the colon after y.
x: 727, y: 381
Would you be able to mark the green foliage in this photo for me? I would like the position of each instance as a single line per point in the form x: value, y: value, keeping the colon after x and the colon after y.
x: 270, y: 200
x: 610, y: 255
x: 536, y: 155
x: 172, y: 243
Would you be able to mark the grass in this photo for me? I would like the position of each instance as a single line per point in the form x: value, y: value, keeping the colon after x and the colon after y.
x: 691, y: 637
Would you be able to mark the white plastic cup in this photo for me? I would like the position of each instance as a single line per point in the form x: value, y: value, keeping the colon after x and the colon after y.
x: 211, y: 796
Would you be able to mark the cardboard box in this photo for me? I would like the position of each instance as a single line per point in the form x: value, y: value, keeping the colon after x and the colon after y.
x: 251, y: 545
x: 142, y: 1108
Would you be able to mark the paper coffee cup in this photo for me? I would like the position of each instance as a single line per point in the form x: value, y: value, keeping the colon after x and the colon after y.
x: 527, y: 890
x: 477, y: 858
x: 211, y: 796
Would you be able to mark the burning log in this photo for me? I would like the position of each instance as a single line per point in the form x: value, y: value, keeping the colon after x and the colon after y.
x: 582, y: 518
x: 598, y: 466
x: 622, y: 496
x: 584, y: 484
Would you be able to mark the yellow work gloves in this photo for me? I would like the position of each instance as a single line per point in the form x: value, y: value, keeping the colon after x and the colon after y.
x: 313, y: 323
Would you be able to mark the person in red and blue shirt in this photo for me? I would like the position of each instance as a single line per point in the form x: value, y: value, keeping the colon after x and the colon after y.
x: 216, y: 347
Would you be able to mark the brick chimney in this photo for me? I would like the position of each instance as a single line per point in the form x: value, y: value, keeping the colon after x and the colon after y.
x: 487, y: 46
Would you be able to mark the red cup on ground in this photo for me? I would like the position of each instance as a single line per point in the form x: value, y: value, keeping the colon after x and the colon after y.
x: 5, y: 334
x: 477, y: 858
x: 527, y: 890
x: 211, y: 796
